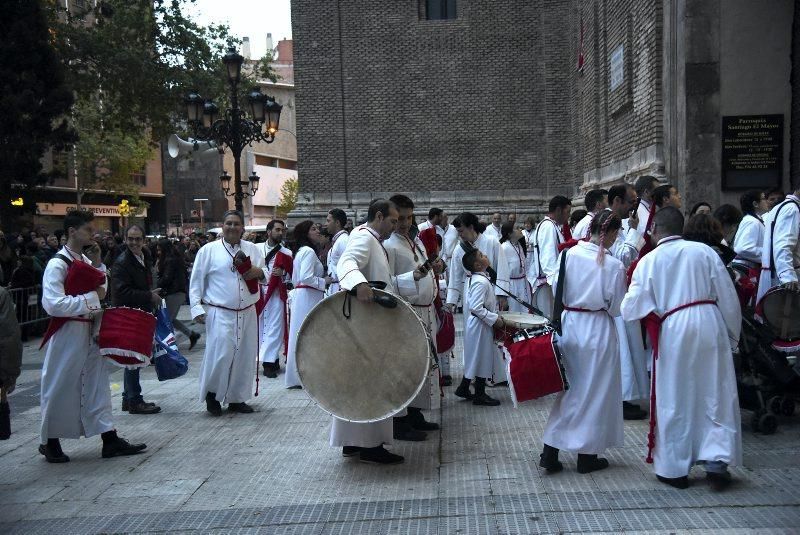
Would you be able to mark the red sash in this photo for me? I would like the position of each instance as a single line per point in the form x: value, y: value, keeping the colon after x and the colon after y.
x: 81, y: 278
x: 652, y: 322
x: 648, y: 240
x: 284, y: 261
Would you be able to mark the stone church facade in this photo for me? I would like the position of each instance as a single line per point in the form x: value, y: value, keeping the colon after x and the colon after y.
x: 497, y: 105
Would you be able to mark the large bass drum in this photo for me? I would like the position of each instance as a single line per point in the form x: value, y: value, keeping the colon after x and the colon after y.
x: 362, y: 362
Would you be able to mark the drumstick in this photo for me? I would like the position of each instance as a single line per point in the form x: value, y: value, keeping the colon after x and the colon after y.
x: 529, y: 306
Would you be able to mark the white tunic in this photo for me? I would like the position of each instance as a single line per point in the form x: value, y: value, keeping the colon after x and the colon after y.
x: 309, y: 289
x: 493, y: 232
x: 449, y: 243
x: 401, y: 260
x: 634, y: 358
x: 271, y: 322
x: 480, y: 312
x: 587, y: 418
x: 427, y: 224
x: 457, y: 282
x: 334, y: 253
x: 365, y: 259
x: 749, y: 240
x: 517, y: 273
x: 229, y: 360
x: 75, y: 397
x: 697, y: 406
x: 544, y: 264
x: 785, y: 246
x: 581, y: 230
x: 643, y: 211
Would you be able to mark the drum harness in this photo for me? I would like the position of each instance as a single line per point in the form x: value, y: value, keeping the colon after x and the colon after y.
x: 771, y: 267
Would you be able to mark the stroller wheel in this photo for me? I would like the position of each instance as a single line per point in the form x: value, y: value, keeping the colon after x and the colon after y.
x: 774, y: 404
x: 768, y: 424
x: 754, y: 421
x: 787, y: 406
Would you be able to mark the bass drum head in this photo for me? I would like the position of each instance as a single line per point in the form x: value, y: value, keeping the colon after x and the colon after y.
x: 521, y: 320
x: 781, y: 311
x: 365, y: 368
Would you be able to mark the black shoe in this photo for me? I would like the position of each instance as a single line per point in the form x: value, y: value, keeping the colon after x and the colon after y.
x: 296, y: 387
x: 463, y: 389
x: 379, y: 456
x: 403, y: 431
x: 677, y: 482
x: 117, y: 446
x: 270, y: 370
x: 143, y: 408
x: 501, y: 383
x: 125, y: 405
x: 193, y: 338
x: 484, y: 400
x: 631, y: 411
x: 52, y: 451
x: 549, y: 460
x: 447, y: 380
x: 590, y: 463
x: 351, y: 451
x: 212, y: 405
x: 242, y: 407
x: 719, y: 481
x: 418, y: 422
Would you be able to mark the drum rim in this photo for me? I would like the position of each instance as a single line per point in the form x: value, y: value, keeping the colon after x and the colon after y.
x: 417, y: 390
x: 776, y: 329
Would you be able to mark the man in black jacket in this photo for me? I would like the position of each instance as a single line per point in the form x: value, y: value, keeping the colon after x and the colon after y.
x: 131, y: 286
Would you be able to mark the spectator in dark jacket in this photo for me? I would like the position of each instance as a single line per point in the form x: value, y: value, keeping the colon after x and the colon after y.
x: 172, y: 280
x: 132, y: 286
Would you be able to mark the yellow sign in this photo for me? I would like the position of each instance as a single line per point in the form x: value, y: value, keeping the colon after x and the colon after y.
x: 17, y: 202
x: 124, y: 209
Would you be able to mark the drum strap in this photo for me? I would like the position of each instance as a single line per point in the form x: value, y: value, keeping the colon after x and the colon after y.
x: 558, y: 305
x: 771, y: 266
x: 652, y: 322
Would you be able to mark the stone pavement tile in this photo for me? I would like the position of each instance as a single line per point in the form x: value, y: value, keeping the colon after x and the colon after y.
x: 651, y: 519
x: 483, y: 524
x: 464, y: 479
x: 526, y: 524
x: 416, y: 526
x: 125, y: 489
x: 588, y: 521
x: 28, y: 492
x: 132, y: 505
x: 369, y: 527
x: 10, y: 513
x: 577, y: 501
x: 715, y: 518
x: 772, y: 517
x: 56, y: 509
x: 466, y: 506
x: 519, y: 504
x: 568, y: 480
x: 787, y: 477
x: 625, y: 478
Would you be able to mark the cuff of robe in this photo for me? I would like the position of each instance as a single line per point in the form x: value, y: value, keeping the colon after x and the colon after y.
x: 92, y: 301
x: 197, y: 310
x: 635, y: 238
x: 406, y: 285
x: 489, y: 318
x: 352, y: 279
x: 787, y: 275
x: 453, y: 296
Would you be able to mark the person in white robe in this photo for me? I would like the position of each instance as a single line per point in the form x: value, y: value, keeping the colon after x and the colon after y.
x: 75, y: 391
x: 335, y: 222
x: 272, y: 321
x: 749, y: 239
x: 646, y: 209
x: 220, y: 298
x: 780, y: 256
x: 587, y: 418
x: 527, y: 233
x: 471, y: 232
x: 544, y: 262
x: 480, y: 318
x: 596, y: 201
x: 494, y: 230
x: 685, y: 294
x: 365, y: 259
x: 634, y: 357
x: 436, y: 220
x: 450, y: 241
x: 309, y: 289
x: 406, y: 255
x: 515, y: 256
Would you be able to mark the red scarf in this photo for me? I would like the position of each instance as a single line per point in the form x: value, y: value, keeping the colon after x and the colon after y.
x: 284, y: 261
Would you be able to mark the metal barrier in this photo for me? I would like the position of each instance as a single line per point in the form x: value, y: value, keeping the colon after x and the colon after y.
x: 28, y: 303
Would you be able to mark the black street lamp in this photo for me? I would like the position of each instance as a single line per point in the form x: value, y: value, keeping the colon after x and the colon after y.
x: 235, y: 130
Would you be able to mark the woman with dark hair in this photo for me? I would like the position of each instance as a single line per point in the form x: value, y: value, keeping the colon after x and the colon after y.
x: 706, y: 229
x: 750, y: 235
x: 729, y: 218
x: 587, y: 418
x: 575, y: 218
x: 700, y: 208
x: 512, y: 246
x: 172, y: 279
x: 309, y: 280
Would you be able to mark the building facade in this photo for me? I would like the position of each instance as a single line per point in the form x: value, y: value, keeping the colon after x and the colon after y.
x: 496, y: 105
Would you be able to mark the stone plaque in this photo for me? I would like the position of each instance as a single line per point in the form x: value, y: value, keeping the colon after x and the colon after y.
x: 752, y: 151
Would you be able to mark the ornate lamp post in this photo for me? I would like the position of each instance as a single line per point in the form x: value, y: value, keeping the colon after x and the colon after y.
x: 235, y: 130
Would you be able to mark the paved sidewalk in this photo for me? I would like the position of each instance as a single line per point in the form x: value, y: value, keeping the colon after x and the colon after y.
x: 273, y: 472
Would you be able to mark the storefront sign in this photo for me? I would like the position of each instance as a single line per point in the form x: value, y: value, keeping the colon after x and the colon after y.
x: 752, y: 151
x: 99, y: 210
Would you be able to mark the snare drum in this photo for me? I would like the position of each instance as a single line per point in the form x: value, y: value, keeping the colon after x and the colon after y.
x: 535, y: 368
x: 519, y: 320
x: 126, y: 336
x: 780, y: 309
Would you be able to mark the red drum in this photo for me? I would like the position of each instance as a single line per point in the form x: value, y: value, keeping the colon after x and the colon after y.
x: 780, y: 309
x: 446, y: 334
x: 535, y: 369
x: 126, y: 336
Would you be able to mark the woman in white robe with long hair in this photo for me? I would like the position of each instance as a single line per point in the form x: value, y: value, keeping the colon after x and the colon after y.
x: 512, y: 246
x: 309, y: 289
x: 587, y: 418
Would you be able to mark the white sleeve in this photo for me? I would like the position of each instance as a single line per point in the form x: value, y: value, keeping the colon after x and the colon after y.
x: 406, y: 285
x: 197, y: 284
x: 784, y: 241
x: 548, y: 253
x: 749, y: 239
x: 354, y: 257
x: 476, y: 297
x: 455, y: 280
x: 639, y: 301
x: 503, y: 271
x: 627, y: 249
x: 727, y: 298
x: 54, y: 299
x: 304, y: 264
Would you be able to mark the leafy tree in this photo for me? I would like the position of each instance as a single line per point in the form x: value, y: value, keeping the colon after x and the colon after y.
x: 33, y: 102
x: 289, y: 192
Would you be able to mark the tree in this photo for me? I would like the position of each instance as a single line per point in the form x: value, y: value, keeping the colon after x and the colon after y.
x: 33, y: 102
x: 289, y: 192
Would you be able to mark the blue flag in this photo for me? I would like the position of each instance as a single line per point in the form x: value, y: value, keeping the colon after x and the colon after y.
x: 168, y: 360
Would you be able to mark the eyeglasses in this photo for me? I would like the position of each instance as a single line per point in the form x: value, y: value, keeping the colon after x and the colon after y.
x: 129, y: 238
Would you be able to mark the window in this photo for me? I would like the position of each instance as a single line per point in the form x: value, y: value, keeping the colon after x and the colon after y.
x: 287, y: 164
x: 139, y: 178
x: 440, y: 9
x: 617, y: 68
x: 266, y: 161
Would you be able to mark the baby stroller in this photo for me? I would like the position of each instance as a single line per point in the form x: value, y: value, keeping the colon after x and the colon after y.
x: 767, y: 367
